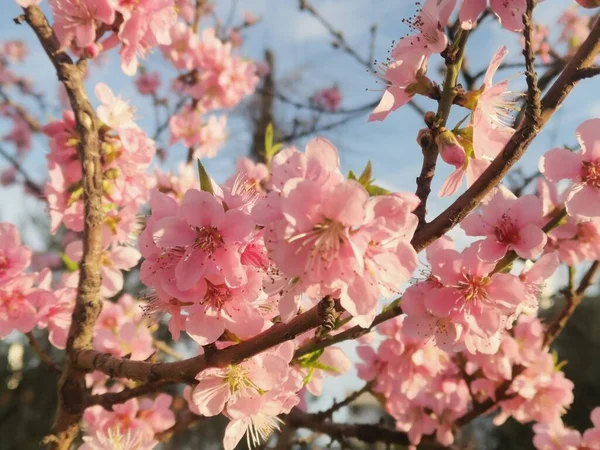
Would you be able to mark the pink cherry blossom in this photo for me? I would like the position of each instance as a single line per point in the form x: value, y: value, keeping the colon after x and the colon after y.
x: 114, y: 439
x: 148, y: 83
x: 591, y: 437
x: 492, y: 112
x: 401, y: 76
x: 328, y: 99
x: 76, y: 20
x: 555, y: 436
x: 114, y: 261
x: 262, y: 373
x: 206, y: 232
x: 184, y: 43
x: 14, y: 257
x: 510, y: 223
x: 113, y: 111
x: 582, y: 168
x: 19, y: 304
x: 474, y: 299
x: 508, y: 12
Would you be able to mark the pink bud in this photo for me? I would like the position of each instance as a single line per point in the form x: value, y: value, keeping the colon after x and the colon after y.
x: 450, y: 150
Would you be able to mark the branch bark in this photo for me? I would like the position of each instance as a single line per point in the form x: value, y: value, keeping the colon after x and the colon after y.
x: 72, y: 388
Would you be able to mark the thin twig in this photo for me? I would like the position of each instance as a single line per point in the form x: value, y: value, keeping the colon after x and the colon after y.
x: 44, y: 357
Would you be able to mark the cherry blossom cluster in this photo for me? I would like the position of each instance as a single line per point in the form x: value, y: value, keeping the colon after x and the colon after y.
x: 136, y: 420
x: 126, y: 154
x: 22, y: 299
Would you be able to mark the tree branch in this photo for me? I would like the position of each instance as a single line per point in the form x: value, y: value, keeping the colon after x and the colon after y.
x: 185, y: 371
x: 516, y: 146
x: 44, y: 357
x: 454, y: 60
x: 72, y: 388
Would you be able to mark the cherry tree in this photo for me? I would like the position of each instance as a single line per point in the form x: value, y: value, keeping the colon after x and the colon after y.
x: 265, y: 274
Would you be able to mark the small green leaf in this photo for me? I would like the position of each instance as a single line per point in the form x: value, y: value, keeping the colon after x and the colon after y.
x: 71, y: 265
x: 365, y: 177
x: 205, y: 183
x: 310, y: 358
x: 352, y: 176
x: 269, y: 137
x: 271, y: 149
x: 376, y: 190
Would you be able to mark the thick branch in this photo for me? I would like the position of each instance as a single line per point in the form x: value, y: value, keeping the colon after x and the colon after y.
x: 72, y: 389
x: 185, y: 371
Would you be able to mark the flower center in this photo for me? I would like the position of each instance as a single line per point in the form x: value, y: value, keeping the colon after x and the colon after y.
x: 506, y: 230
x: 216, y: 295
x: 10, y: 301
x: 473, y: 288
x: 237, y: 378
x: 261, y: 427
x: 3, y: 264
x: 208, y: 239
x: 330, y: 237
x: 591, y: 173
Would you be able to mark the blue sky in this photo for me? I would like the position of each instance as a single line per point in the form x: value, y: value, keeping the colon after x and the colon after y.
x: 306, y: 62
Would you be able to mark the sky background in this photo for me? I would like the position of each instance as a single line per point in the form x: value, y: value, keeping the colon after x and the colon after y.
x: 305, y: 63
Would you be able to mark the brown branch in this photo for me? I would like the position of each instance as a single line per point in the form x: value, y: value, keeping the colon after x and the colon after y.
x: 328, y: 413
x: 197, y: 14
x: 31, y: 121
x: 340, y: 40
x: 265, y: 115
x: 587, y: 72
x: 528, y: 129
x: 32, y: 185
x: 184, y: 421
x: 573, y: 298
x: 72, y: 388
x: 44, y: 357
x: 364, y: 432
x: 454, y: 60
x: 185, y: 371
x: 108, y: 399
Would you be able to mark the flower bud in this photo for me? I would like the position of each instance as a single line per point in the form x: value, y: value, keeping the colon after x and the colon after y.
x: 450, y: 150
x: 424, y: 138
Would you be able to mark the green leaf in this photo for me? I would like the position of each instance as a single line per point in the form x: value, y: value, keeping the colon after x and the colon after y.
x: 365, y: 177
x: 205, y: 183
x: 310, y: 358
x: 71, y: 265
x: 269, y: 137
x: 352, y: 176
x: 376, y: 190
x: 270, y: 148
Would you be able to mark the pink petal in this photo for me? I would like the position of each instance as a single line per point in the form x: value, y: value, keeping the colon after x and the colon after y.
x: 474, y: 225
x: 236, y: 226
x: 491, y: 250
x: 527, y: 209
x: 584, y: 202
x: 560, y: 163
x: 190, y: 269
x: 125, y: 258
x: 204, y: 327
x: 210, y: 396
x: 233, y: 433
x: 510, y: 13
x: 452, y: 183
x: 173, y: 232
x: 347, y: 203
x: 112, y: 281
x: 532, y: 241
x: 494, y: 64
x: 470, y: 10
x: 201, y: 209
x: 392, y: 99
x: 588, y: 135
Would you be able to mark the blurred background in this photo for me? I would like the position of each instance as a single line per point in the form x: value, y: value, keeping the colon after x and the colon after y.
x: 304, y: 57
